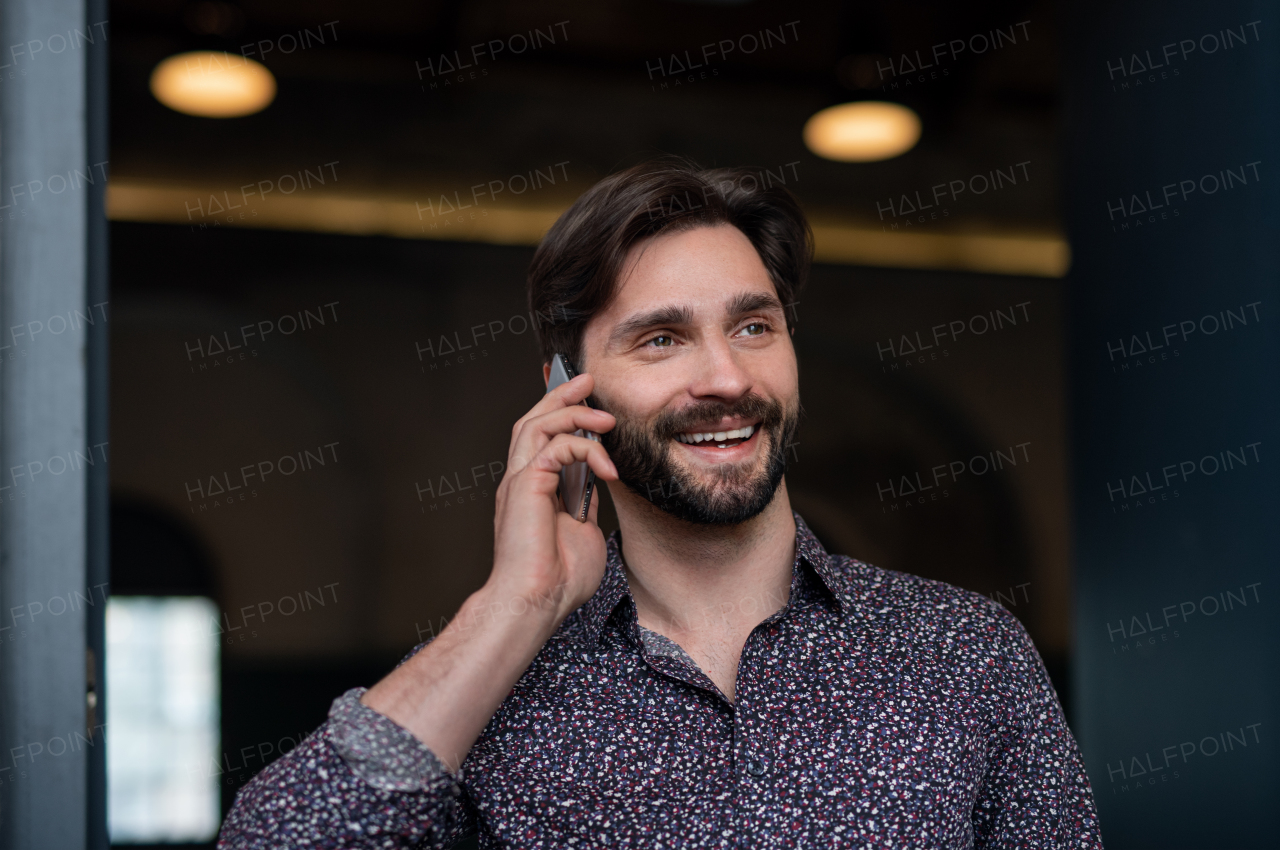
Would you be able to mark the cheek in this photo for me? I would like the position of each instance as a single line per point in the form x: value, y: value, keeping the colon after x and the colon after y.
x: 779, y: 378
x: 639, y: 394
x: 635, y: 409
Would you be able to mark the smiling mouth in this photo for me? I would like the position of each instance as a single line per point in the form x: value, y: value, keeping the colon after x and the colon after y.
x: 719, y: 439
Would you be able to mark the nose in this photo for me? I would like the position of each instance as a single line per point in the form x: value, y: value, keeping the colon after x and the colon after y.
x: 719, y: 372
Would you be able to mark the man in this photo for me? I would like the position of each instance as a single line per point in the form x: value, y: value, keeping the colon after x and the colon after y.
x: 709, y: 676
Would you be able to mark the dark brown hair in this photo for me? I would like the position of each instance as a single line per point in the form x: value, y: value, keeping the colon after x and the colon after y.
x: 576, y: 268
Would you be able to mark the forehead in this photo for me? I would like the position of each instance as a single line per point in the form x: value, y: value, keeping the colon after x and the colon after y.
x: 702, y: 268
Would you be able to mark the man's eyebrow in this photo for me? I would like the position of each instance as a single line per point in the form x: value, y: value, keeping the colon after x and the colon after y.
x: 752, y: 302
x: 670, y: 314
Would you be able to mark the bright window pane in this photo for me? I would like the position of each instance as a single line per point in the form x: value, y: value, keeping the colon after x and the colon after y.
x: 162, y: 719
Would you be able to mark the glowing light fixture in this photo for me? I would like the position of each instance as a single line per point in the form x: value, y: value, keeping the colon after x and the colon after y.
x: 212, y: 84
x: 865, y: 131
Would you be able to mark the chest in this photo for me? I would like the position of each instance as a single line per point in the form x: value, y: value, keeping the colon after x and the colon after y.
x: 850, y: 738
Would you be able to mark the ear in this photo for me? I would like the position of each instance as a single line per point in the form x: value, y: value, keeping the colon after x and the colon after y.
x: 546, y: 373
x: 793, y: 331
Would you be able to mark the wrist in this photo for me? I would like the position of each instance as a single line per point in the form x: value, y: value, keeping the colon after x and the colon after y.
x: 506, y: 607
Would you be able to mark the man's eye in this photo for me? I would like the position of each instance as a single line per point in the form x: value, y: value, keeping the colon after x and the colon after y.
x: 755, y: 328
x: 661, y: 341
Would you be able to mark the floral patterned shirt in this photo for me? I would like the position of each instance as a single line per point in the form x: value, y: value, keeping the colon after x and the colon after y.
x: 875, y: 709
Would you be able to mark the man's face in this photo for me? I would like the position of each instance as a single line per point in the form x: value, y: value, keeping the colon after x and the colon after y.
x: 694, y: 360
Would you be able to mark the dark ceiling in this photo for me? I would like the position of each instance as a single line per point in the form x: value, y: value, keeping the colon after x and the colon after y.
x: 589, y: 99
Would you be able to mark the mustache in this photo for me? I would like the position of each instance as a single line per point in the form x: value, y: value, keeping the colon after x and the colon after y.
x: 769, y: 412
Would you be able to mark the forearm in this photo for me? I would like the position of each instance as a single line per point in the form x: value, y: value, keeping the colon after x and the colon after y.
x: 447, y: 692
x: 377, y: 772
x: 358, y: 781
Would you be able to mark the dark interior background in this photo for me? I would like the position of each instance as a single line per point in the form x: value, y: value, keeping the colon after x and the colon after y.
x: 391, y: 561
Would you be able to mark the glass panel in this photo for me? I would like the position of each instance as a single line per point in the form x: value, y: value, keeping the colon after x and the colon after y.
x: 162, y: 719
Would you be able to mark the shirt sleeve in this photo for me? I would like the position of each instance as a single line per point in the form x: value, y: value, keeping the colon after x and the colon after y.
x: 1035, y: 793
x: 358, y: 781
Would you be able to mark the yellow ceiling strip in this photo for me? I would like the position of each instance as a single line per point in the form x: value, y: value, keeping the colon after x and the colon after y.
x: 207, y: 206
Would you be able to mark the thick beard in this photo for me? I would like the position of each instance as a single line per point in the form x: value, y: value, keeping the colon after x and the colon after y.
x: 642, y: 455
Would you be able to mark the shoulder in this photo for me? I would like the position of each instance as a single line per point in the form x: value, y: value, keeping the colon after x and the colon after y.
x: 926, y: 611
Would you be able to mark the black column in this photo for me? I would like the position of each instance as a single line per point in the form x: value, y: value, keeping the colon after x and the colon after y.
x: 1171, y: 137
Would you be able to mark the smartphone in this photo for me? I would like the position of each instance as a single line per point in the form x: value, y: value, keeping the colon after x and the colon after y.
x: 577, y: 481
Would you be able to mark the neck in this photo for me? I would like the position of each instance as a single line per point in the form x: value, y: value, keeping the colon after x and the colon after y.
x: 706, y: 584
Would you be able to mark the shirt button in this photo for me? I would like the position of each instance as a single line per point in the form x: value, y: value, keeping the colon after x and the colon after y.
x: 755, y: 767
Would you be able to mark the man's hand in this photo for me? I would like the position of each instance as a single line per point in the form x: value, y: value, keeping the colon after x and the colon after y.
x: 541, y: 553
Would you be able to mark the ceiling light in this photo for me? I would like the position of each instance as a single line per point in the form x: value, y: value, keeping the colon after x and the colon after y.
x: 865, y: 131
x: 212, y: 84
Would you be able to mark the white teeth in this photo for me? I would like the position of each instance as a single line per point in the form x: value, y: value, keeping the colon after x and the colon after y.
x: 717, y: 436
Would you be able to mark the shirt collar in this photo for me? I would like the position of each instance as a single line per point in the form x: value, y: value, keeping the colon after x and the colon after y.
x: 614, y: 587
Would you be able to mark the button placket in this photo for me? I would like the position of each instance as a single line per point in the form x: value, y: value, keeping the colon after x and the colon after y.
x: 753, y: 737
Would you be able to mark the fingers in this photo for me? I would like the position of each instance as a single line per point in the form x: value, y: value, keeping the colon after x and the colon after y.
x: 568, y: 393
x: 537, y: 431
x: 564, y: 449
x: 545, y: 465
